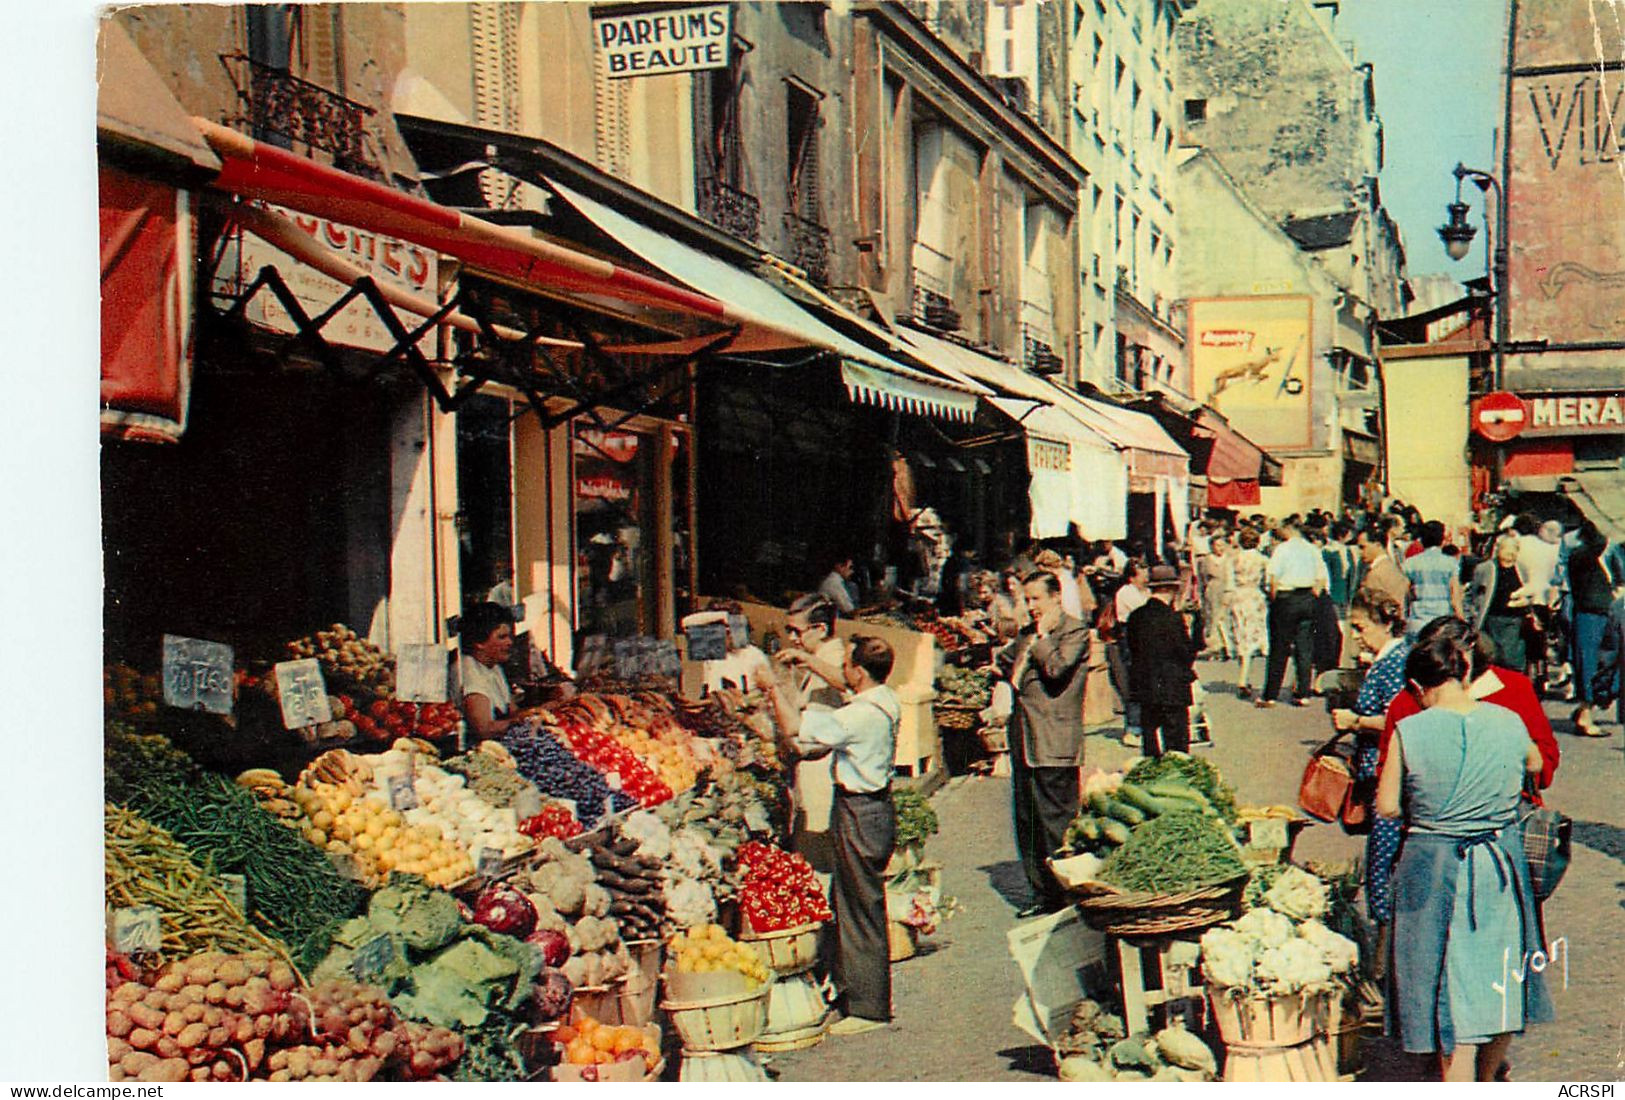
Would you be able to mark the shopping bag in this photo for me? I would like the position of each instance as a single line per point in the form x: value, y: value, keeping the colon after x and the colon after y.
x: 1327, y: 781
x: 1548, y: 843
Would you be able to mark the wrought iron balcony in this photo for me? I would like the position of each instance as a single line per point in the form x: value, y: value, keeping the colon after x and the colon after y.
x: 729, y: 209
x: 278, y: 104
x: 1037, y: 353
x: 808, y: 244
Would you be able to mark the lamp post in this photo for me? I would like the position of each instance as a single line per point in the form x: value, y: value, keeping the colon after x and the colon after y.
x: 1457, y: 236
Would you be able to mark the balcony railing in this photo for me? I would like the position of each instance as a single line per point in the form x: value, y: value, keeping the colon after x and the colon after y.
x: 934, y: 308
x: 729, y: 209
x: 277, y: 104
x: 808, y: 244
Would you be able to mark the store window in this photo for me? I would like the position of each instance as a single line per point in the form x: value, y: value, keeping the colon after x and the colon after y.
x: 485, y: 501
x: 634, y: 556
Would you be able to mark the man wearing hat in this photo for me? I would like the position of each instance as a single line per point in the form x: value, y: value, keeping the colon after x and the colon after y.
x: 1161, y: 666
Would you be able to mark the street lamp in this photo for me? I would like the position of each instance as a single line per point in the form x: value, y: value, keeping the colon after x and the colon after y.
x: 1457, y: 236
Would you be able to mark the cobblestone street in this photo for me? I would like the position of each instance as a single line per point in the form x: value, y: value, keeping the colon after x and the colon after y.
x: 953, y: 1001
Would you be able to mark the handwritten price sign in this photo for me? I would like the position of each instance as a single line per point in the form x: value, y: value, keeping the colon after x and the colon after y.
x: 197, y: 674
x: 303, y: 694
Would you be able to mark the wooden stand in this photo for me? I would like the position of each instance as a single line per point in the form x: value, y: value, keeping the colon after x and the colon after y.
x: 1309, y: 1061
x: 1170, y: 964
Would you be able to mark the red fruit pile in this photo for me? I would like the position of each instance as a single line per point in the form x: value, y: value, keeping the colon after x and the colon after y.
x: 554, y: 820
x: 608, y: 756
x: 388, y: 719
x: 778, y: 889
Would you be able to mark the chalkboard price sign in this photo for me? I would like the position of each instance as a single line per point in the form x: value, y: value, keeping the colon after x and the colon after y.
x: 420, y: 674
x: 197, y: 674
x: 738, y: 630
x: 708, y: 642
x: 490, y: 863
x: 403, y: 795
x: 303, y: 694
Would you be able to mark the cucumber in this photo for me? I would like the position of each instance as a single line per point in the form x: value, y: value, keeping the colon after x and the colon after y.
x: 1139, y: 799
x: 1088, y: 827
x: 1099, y: 801
x: 1114, y: 832
x: 1127, y: 814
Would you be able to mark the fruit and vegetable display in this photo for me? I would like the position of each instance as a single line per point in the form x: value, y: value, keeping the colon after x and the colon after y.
x: 586, y: 1042
x: 708, y: 949
x: 740, y: 723
x: 126, y: 693
x: 445, y: 802
x: 1177, y: 771
x: 1095, y: 1048
x: 916, y: 819
x: 235, y: 1017
x: 493, y: 774
x: 388, y: 719
x: 573, y: 926
x: 637, y: 738
x: 778, y: 889
x: 964, y: 687
x: 556, y: 821
x: 1116, y: 806
x: 293, y: 890
x: 1172, y: 852
x: 147, y: 866
x: 636, y: 890
x: 1281, y: 947
x: 349, y: 661
x: 544, y: 760
x: 357, y: 827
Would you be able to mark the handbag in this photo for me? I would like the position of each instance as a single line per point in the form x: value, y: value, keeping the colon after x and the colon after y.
x: 1548, y: 838
x: 1327, y: 782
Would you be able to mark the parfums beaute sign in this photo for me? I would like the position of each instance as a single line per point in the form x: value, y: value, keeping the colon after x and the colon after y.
x: 672, y: 40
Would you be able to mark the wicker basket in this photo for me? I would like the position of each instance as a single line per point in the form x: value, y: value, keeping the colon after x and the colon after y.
x: 956, y: 718
x: 1123, y: 913
x: 995, y: 739
x: 902, y: 939
x: 722, y: 1023
x: 788, y: 951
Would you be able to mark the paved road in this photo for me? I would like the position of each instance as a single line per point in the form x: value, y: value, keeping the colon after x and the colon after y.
x: 953, y: 1001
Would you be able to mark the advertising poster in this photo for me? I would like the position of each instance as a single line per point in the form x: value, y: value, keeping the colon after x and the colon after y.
x: 1251, y: 359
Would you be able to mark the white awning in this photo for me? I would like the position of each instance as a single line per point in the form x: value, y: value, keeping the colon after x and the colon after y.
x: 883, y: 381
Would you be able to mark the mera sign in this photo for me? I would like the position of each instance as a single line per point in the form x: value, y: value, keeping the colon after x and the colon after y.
x: 1577, y: 413
x: 676, y: 40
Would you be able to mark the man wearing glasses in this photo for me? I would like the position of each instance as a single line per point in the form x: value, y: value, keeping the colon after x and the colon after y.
x: 815, y: 653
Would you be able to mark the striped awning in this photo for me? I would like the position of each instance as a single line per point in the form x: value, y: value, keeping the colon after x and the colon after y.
x: 896, y: 389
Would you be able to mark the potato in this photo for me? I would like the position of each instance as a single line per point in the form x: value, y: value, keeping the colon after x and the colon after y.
x: 215, y: 993
x: 224, y: 1071
x: 116, y: 1050
x: 232, y: 972
x: 218, y: 1036
x: 244, y: 1030
x: 136, y: 1061
x: 116, y: 1073
x: 283, y: 978
x: 234, y: 997
x: 170, y: 1069
x: 174, y: 1022
x: 142, y: 1015
x: 118, y: 1024
x: 200, y: 1074
x: 170, y: 983
x: 280, y: 1075
x: 156, y: 1000
x: 213, y: 1016
x: 193, y: 1014
x: 166, y: 1047
x: 254, y: 1051
x: 143, y: 1038
x: 192, y: 1035
x: 279, y: 1059
x: 324, y: 1067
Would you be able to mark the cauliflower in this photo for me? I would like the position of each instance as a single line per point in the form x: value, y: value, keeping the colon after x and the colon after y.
x: 1339, y: 952
x: 1265, y: 927
x: 651, y: 833
x: 594, y: 934
x: 1293, y: 966
x: 595, y: 900
x: 1227, y: 958
x: 1299, y: 895
x: 689, y: 902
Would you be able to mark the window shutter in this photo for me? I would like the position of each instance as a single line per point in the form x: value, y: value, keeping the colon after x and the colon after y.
x: 494, y: 35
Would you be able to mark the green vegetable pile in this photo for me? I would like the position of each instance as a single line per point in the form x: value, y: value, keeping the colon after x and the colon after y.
x: 1191, y: 771
x: 916, y: 820
x: 963, y: 687
x: 436, y: 967
x: 1176, y: 851
x: 293, y: 889
x: 498, y: 785
x: 1106, y: 820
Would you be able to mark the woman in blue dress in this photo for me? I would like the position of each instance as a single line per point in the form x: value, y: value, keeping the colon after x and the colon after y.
x: 1379, y: 624
x: 1465, y: 924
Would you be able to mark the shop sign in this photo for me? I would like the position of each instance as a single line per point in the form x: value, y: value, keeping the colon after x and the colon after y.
x: 676, y: 40
x: 357, y: 325
x: 197, y: 674
x: 420, y: 674
x: 1267, y: 833
x: 303, y: 694
x: 1252, y: 361
x: 1577, y: 413
x: 603, y: 488
x: 619, y: 447
x: 490, y: 863
x: 137, y: 928
x: 1500, y: 416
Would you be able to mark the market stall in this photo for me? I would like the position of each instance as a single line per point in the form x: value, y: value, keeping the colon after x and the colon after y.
x: 601, y: 894
x: 1196, y: 947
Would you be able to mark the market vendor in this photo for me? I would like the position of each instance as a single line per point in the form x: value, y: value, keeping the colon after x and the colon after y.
x: 486, y: 637
x: 861, y: 738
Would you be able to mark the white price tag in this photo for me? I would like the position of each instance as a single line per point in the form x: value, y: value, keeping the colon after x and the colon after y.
x: 198, y: 675
x: 403, y: 793
x: 137, y: 928
x: 1269, y: 832
x: 489, y: 864
x: 303, y: 694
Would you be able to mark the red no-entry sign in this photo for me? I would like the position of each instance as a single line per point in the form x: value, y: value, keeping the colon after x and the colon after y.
x: 1499, y: 417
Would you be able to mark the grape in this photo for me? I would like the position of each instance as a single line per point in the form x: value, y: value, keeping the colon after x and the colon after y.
x: 544, y: 761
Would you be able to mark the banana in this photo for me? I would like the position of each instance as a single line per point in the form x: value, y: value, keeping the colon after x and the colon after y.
x: 260, y: 777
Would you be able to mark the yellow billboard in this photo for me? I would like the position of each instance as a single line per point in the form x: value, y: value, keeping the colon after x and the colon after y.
x: 1252, y: 359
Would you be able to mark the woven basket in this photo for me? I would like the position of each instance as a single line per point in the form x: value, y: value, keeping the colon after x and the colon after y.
x: 950, y: 717
x: 1123, y: 913
x: 722, y: 1023
x: 1259, y: 1022
x: 902, y: 940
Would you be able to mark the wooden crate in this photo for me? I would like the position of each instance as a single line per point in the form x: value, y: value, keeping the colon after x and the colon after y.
x: 1159, y: 975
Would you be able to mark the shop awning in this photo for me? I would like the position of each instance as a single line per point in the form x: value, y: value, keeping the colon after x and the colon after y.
x: 1600, y: 494
x: 255, y: 170
x: 772, y: 313
x: 1234, y: 456
x: 136, y: 110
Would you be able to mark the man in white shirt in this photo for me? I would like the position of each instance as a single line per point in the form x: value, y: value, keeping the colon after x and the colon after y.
x: 1538, y: 555
x: 861, y: 738
x: 1131, y: 596
x: 837, y: 589
x: 1297, y: 574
